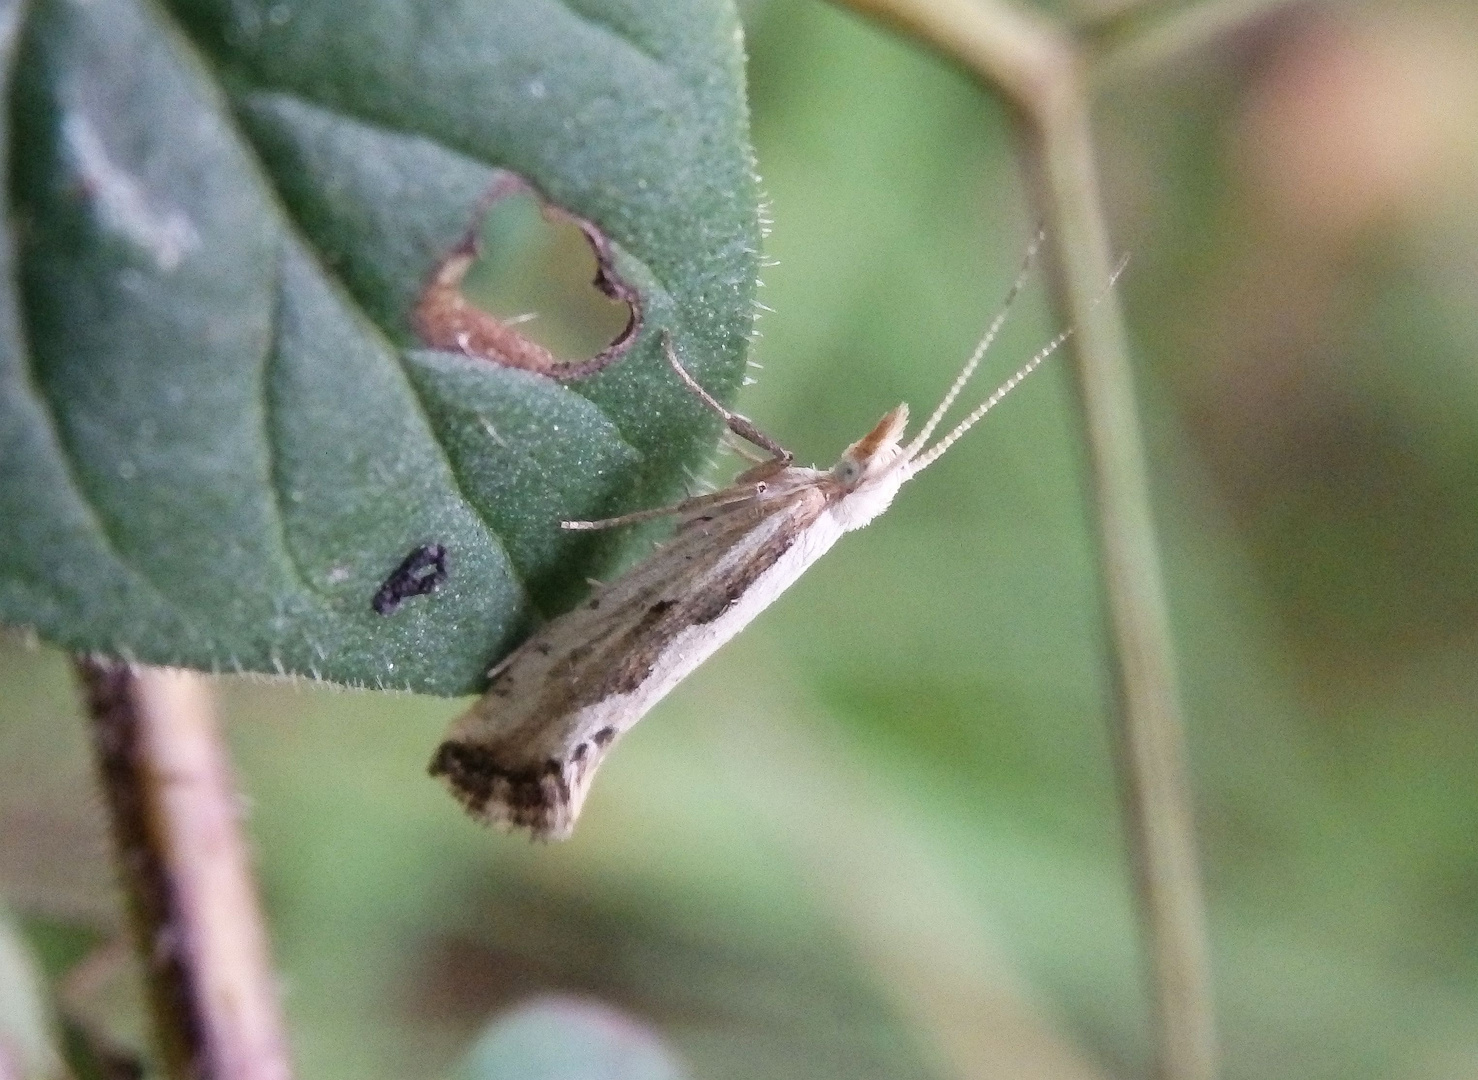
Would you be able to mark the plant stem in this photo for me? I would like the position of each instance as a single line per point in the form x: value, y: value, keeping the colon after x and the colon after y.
x: 1038, y: 69
x: 1149, y: 734
x: 1140, y: 41
x: 183, y: 865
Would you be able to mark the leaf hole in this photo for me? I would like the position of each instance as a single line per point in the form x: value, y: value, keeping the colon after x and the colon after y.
x: 540, y: 265
x: 530, y: 286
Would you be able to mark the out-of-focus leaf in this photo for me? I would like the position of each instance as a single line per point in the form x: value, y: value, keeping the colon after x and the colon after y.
x: 217, y: 433
x: 560, y: 1038
x: 27, y: 1032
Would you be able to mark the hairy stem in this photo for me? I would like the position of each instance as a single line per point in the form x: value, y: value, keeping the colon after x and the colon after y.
x: 1039, y: 70
x: 183, y: 865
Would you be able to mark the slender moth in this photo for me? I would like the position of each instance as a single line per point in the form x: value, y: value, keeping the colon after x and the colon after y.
x: 523, y: 756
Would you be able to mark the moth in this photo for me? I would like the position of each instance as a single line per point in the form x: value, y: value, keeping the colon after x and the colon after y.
x: 523, y: 756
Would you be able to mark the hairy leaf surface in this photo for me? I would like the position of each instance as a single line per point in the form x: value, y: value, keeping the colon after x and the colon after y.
x: 219, y: 432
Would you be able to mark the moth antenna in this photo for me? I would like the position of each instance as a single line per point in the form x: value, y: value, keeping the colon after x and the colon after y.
x: 968, y: 370
x: 739, y: 425
x: 935, y: 452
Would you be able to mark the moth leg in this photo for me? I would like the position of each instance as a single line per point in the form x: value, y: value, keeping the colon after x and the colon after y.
x: 744, y: 487
x: 742, y: 448
x: 739, y: 425
x: 625, y: 519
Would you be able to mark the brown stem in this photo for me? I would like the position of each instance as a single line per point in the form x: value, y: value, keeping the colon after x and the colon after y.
x: 1039, y: 69
x: 184, y: 868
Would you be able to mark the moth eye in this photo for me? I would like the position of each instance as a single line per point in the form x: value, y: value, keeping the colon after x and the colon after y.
x: 847, y: 471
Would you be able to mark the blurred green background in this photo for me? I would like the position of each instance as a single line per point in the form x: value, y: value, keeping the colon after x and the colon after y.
x: 877, y: 836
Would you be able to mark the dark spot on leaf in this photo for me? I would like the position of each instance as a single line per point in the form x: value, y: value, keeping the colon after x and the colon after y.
x: 418, y: 574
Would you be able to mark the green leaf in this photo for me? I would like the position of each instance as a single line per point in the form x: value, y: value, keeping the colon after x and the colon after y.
x: 569, y: 1039
x: 218, y: 432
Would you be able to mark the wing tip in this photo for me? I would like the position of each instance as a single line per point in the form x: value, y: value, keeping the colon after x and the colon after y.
x: 545, y: 800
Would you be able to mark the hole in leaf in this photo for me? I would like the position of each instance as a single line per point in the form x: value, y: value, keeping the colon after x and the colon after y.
x: 534, y: 263
x: 536, y: 272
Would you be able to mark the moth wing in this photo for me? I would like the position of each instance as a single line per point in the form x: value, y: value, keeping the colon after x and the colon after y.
x: 523, y: 755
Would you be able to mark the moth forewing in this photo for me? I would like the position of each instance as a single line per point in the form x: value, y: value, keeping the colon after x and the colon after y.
x: 523, y: 756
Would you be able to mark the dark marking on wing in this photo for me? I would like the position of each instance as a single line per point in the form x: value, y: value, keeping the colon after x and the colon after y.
x: 478, y: 778
x: 623, y: 656
x: 637, y: 650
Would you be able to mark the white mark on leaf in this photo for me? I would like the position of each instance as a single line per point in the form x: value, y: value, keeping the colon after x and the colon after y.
x: 121, y: 202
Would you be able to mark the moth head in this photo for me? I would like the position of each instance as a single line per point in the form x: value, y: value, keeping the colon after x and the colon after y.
x: 870, y: 456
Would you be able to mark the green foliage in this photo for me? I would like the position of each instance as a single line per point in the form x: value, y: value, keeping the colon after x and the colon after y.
x: 788, y: 868
x: 217, y: 433
x: 557, y: 1039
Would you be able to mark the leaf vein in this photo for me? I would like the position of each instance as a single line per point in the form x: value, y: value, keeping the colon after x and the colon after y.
x: 272, y: 468
x: 294, y: 229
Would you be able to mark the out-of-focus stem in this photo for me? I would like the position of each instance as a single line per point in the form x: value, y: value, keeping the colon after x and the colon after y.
x: 184, y: 867
x: 1039, y: 69
x: 1143, y: 39
x: 1149, y: 735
